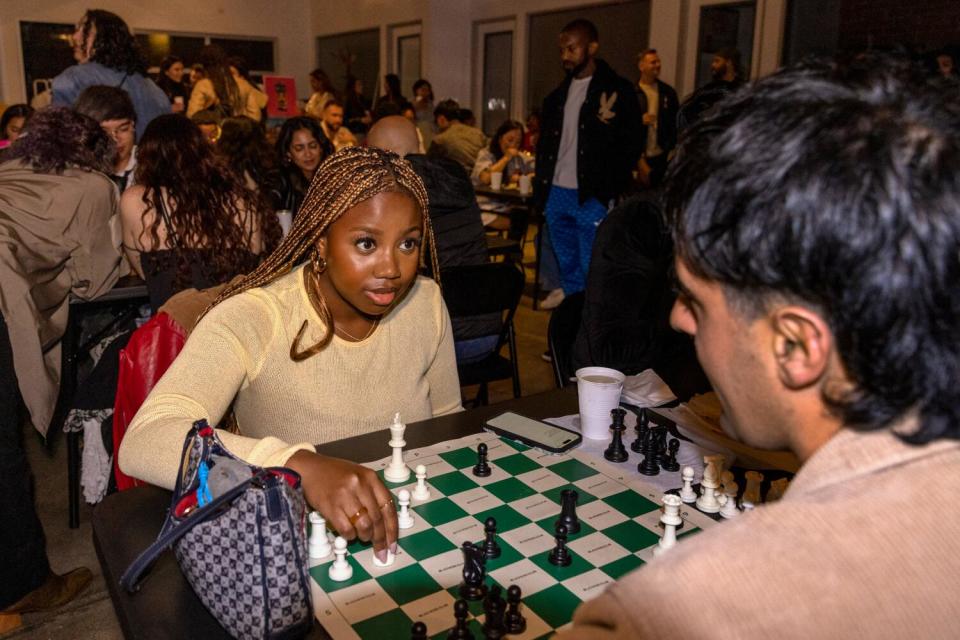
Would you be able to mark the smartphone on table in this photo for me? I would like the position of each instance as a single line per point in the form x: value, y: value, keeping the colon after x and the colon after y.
x: 533, y: 433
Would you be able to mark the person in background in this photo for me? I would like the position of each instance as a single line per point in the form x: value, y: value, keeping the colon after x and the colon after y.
x: 468, y: 118
x: 532, y: 133
x: 254, y: 100
x: 301, y: 147
x: 12, y: 122
x: 332, y: 335
x: 332, y: 125
x: 57, y: 238
x: 356, y: 106
x: 323, y: 92
x: 503, y: 155
x: 408, y: 111
x: 244, y: 147
x: 456, y: 140
x: 113, y: 109
x: 197, y: 74
x: 945, y: 65
x: 727, y: 78
x: 190, y: 222
x: 171, y: 82
x: 107, y: 54
x: 218, y: 92
x: 392, y: 93
x: 423, y: 108
x: 659, y: 105
x: 209, y: 124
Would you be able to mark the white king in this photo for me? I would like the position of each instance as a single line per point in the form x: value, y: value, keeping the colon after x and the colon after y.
x: 397, y: 471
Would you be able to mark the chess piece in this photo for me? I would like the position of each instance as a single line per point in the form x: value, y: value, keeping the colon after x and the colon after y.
x: 386, y: 563
x: 648, y: 466
x: 397, y: 471
x: 777, y: 489
x: 687, y: 494
x: 643, y: 423
x: 726, y: 478
x: 751, y: 493
x: 474, y: 571
x: 482, y: 469
x: 514, y: 622
x: 418, y: 631
x: 491, y: 549
x: 460, y: 630
x: 421, y: 492
x: 616, y: 452
x: 404, y: 517
x: 707, y: 502
x: 568, y: 511
x: 728, y: 505
x: 660, y: 445
x: 719, y: 464
x: 319, y: 545
x: 560, y: 555
x: 340, y: 570
x: 670, y: 520
x: 494, y: 608
x: 670, y: 463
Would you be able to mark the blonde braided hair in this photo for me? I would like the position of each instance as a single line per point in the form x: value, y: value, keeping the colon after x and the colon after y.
x: 343, y: 181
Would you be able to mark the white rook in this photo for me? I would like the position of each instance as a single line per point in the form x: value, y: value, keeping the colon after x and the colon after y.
x: 671, y: 520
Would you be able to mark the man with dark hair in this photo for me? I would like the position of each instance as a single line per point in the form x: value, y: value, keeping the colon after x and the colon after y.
x: 816, y: 230
x: 727, y: 78
x: 456, y: 140
x: 589, y: 144
x: 113, y: 109
x: 107, y: 54
x: 332, y: 124
x: 658, y: 104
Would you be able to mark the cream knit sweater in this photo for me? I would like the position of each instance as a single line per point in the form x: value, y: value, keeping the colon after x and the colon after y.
x: 240, y: 354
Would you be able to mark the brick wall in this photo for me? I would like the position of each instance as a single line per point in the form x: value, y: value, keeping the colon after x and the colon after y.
x: 921, y: 24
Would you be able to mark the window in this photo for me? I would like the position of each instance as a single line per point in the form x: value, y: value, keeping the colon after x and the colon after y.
x: 723, y: 26
x: 404, y: 56
x: 47, y: 50
x: 497, y: 74
x: 356, y: 53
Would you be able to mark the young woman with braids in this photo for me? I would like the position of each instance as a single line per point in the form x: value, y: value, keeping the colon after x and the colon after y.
x: 331, y: 335
x: 190, y: 221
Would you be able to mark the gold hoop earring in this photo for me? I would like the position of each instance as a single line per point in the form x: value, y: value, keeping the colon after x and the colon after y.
x: 318, y: 263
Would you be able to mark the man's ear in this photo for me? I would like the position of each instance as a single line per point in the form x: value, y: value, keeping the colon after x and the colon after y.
x: 802, y: 345
x: 592, y: 48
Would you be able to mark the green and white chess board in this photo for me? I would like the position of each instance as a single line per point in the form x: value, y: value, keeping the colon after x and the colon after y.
x: 619, y: 517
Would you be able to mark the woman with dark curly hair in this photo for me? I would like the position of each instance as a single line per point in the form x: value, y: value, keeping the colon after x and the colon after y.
x: 302, y: 147
x: 218, y: 92
x: 189, y: 221
x: 57, y: 214
x: 107, y: 54
x: 243, y: 146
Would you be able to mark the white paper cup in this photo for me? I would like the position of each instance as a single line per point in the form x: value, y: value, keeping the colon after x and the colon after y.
x: 285, y: 218
x: 598, y: 391
x: 496, y: 179
x: 525, y: 185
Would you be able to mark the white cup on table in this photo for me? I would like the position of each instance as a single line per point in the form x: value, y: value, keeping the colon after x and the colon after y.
x: 598, y: 392
x: 526, y: 186
x: 285, y: 218
x: 496, y: 179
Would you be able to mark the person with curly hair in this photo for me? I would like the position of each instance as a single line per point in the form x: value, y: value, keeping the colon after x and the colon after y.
x: 57, y: 219
x: 189, y: 221
x: 107, y: 54
x: 218, y: 92
x: 332, y: 335
x: 301, y: 147
x: 244, y: 148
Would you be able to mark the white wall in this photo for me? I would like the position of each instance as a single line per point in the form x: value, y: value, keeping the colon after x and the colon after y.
x: 286, y: 20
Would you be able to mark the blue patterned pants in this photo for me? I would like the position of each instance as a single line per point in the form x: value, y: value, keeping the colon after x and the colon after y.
x: 573, y: 227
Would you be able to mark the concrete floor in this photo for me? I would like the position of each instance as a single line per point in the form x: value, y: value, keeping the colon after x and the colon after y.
x: 91, y: 617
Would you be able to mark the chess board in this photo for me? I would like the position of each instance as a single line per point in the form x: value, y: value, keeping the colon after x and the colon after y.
x: 619, y: 518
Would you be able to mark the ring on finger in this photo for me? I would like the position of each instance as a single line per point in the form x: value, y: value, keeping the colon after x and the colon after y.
x: 359, y: 514
x: 388, y: 502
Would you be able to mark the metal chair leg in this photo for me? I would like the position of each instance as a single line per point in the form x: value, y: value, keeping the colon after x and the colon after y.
x: 73, y: 476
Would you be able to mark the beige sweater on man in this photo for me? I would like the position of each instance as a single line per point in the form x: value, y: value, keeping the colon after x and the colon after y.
x: 240, y: 354
x: 864, y: 544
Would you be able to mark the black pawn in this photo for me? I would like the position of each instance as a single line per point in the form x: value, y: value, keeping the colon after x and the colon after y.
x: 482, y: 469
x: 560, y: 555
x: 515, y: 623
x: 494, y: 608
x: 649, y: 466
x: 418, y: 631
x: 491, y: 549
x: 670, y: 462
x: 568, y: 511
x: 616, y: 452
x: 643, y: 423
x: 460, y: 631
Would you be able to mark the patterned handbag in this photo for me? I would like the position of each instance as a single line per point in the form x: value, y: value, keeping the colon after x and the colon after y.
x: 239, y: 534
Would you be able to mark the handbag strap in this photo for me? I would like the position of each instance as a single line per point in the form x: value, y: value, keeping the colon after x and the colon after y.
x: 130, y: 580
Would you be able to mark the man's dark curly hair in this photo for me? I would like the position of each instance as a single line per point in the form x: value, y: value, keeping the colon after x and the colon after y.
x: 113, y: 45
x: 56, y: 138
x: 838, y: 187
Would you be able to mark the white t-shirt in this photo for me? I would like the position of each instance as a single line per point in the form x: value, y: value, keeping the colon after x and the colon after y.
x: 565, y: 173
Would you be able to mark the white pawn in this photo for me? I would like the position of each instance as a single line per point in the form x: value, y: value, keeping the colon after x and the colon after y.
x: 390, y: 559
x: 340, y: 570
x: 404, y: 518
x: 319, y: 546
x: 397, y: 470
x: 687, y: 494
x: 729, y: 500
x: 670, y: 520
x: 421, y: 492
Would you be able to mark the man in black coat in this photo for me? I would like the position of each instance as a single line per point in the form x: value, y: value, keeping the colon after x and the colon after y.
x: 589, y: 144
x: 659, y: 105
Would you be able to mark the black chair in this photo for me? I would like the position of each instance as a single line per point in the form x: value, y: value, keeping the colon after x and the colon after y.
x: 510, y: 244
x: 486, y: 289
x: 561, y: 334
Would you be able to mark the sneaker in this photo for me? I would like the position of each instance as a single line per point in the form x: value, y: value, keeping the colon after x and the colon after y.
x: 546, y: 356
x: 553, y: 299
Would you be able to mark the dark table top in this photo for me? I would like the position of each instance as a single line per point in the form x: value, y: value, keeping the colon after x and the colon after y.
x: 509, y: 194
x: 126, y: 523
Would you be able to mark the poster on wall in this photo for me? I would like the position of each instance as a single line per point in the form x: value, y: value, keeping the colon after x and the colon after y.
x: 281, y: 97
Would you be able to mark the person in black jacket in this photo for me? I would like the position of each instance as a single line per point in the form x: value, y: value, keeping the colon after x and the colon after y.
x: 589, y: 144
x: 659, y: 105
x: 727, y: 79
